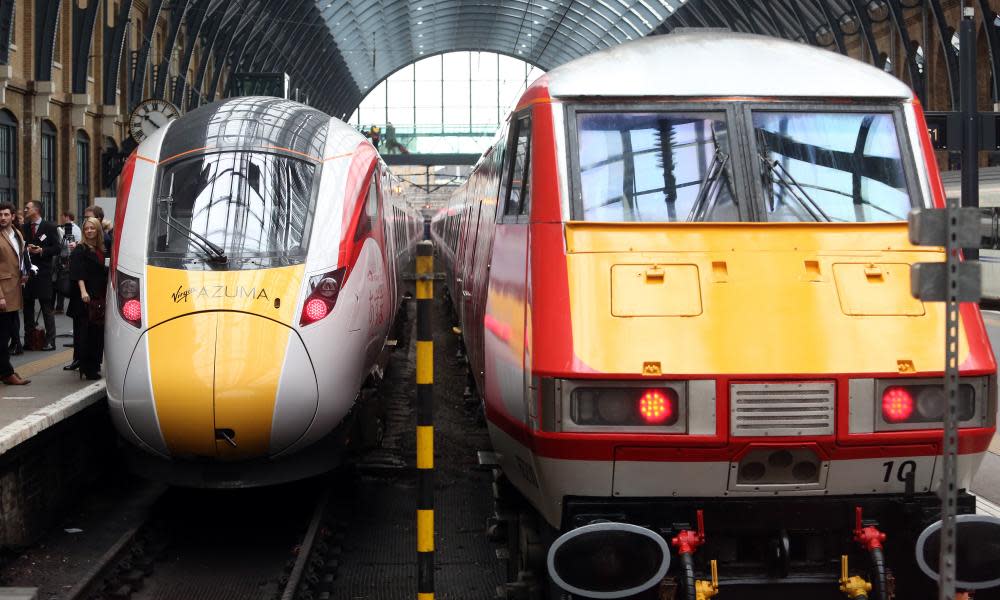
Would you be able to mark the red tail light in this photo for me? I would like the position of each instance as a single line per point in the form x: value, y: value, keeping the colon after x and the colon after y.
x: 129, y: 298
x: 897, y: 404
x: 323, y: 292
x: 655, y: 407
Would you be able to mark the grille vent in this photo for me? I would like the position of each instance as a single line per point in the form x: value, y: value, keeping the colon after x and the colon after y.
x: 774, y: 409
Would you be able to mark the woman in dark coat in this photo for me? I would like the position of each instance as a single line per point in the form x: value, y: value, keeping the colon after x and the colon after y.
x: 89, y: 279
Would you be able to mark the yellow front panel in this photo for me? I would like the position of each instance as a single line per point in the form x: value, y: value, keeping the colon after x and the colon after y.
x: 250, y: 353
x: 654, y: 290
x: 182, y: 370
x: 876, y: 289
x: 213, y: 363
x: 270, y: 293
x: 770, y: 301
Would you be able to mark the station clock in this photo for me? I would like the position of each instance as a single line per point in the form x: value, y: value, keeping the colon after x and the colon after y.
x: 150, y: 115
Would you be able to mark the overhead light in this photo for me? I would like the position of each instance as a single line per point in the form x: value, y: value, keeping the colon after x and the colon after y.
x: 420, y: 22
x: 535, y: 22
x: 420, y: 35
x: 420, y: 8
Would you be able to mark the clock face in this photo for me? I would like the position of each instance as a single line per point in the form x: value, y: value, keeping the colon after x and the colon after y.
x: 149, y: 116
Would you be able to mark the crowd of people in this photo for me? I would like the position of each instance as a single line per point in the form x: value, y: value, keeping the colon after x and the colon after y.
x: 55, y: 268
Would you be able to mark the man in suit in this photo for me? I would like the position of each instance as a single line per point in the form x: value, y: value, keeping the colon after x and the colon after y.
x: 12, y: 275
x: 43, y: 247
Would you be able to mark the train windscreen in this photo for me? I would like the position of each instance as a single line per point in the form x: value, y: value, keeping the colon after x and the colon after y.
x: 655, y: 166
x: 836, y: 166
x: 233, y: 210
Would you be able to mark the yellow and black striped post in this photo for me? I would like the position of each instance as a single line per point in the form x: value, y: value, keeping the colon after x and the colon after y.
x: 425, y: 423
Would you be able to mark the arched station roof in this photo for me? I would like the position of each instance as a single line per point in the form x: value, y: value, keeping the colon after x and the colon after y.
x: 375, y: 39
x: 336, y: 50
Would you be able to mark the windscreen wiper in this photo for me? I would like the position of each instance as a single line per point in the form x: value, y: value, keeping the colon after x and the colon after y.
x: 216, y: 254
x: 709, y: 187
x: 780, y: 175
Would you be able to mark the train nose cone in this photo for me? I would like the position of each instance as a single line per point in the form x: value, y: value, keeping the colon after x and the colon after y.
x: 225, y: 385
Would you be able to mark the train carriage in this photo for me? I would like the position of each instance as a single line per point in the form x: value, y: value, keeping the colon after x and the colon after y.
x: 256, y: 273
x: 682, y: 273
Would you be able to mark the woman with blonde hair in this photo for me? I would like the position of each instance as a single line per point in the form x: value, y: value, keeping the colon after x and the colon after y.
x: 89, y: 280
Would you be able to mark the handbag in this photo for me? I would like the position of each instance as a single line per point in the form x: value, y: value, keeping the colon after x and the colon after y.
x: 95, y: 311
x: 34, y: 339
x: 63, y: 284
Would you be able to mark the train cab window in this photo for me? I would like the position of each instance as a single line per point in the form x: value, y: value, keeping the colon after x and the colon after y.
x: 654, y: 167
x: 518, y: 187
x: 233, y: 210
x: 830, y: 166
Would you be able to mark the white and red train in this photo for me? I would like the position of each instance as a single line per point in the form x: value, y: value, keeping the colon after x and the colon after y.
x: 256, y: 273
x: 682, y: 275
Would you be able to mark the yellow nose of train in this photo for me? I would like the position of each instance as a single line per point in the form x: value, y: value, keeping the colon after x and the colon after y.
x: 228, y: 375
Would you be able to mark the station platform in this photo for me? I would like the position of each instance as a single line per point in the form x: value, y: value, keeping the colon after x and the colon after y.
x: 55, y: 438
x: 52, y: 396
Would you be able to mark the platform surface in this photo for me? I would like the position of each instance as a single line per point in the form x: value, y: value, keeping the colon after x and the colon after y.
x: 52, y: 396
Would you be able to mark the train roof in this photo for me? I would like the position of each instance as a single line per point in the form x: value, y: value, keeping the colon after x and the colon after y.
x: 249, y: 122
x: 694, y: 64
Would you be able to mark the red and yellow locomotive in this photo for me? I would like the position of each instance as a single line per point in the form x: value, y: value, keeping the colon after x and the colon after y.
x: 682, y: 274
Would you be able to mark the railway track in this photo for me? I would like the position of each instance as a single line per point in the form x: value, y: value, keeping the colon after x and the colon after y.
x: 268, y: 544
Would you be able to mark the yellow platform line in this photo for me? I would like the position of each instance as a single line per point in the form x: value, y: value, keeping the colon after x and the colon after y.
x: 44, y: 364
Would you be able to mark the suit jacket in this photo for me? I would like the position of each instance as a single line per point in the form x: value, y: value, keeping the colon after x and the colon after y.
x: 47, y: 237
x: 11, y: 265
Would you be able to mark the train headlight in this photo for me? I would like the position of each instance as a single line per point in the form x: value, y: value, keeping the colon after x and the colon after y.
x: 129, y: 298
x: 323, y: 292
x: 132, y: 310
x: 328, y: 287
x: 128, y: 288
x: 605, y: 407
x: 897, y: 404
x: 921, y: 404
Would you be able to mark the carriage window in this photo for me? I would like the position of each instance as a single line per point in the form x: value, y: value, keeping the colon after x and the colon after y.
x: 655, y: 166
x: 518, y: 188
x: 256, y: 208
x: 830, y: 166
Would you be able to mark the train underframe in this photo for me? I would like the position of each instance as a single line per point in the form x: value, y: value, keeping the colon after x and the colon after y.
x: 771, y: 546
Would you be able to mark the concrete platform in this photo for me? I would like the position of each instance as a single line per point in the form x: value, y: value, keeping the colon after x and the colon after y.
x: 52, y: 396
x: 55, y: 439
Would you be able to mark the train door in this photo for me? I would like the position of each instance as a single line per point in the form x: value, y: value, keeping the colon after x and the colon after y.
x: 507, y: 293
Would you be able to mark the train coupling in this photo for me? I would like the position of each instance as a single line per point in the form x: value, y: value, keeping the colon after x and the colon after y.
x: 704, y: 590
x: 687, y: 541
x: 854, y: 587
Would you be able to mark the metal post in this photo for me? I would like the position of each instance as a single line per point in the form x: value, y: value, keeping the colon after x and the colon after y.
x: 948, y: 490
x: 425, y: 422
x: 970, y: 115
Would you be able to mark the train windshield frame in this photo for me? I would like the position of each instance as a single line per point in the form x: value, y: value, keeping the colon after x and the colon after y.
x: 832, y: 163
x: 740, y: 162
x: 233, y: 210
x: 617, y: 157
